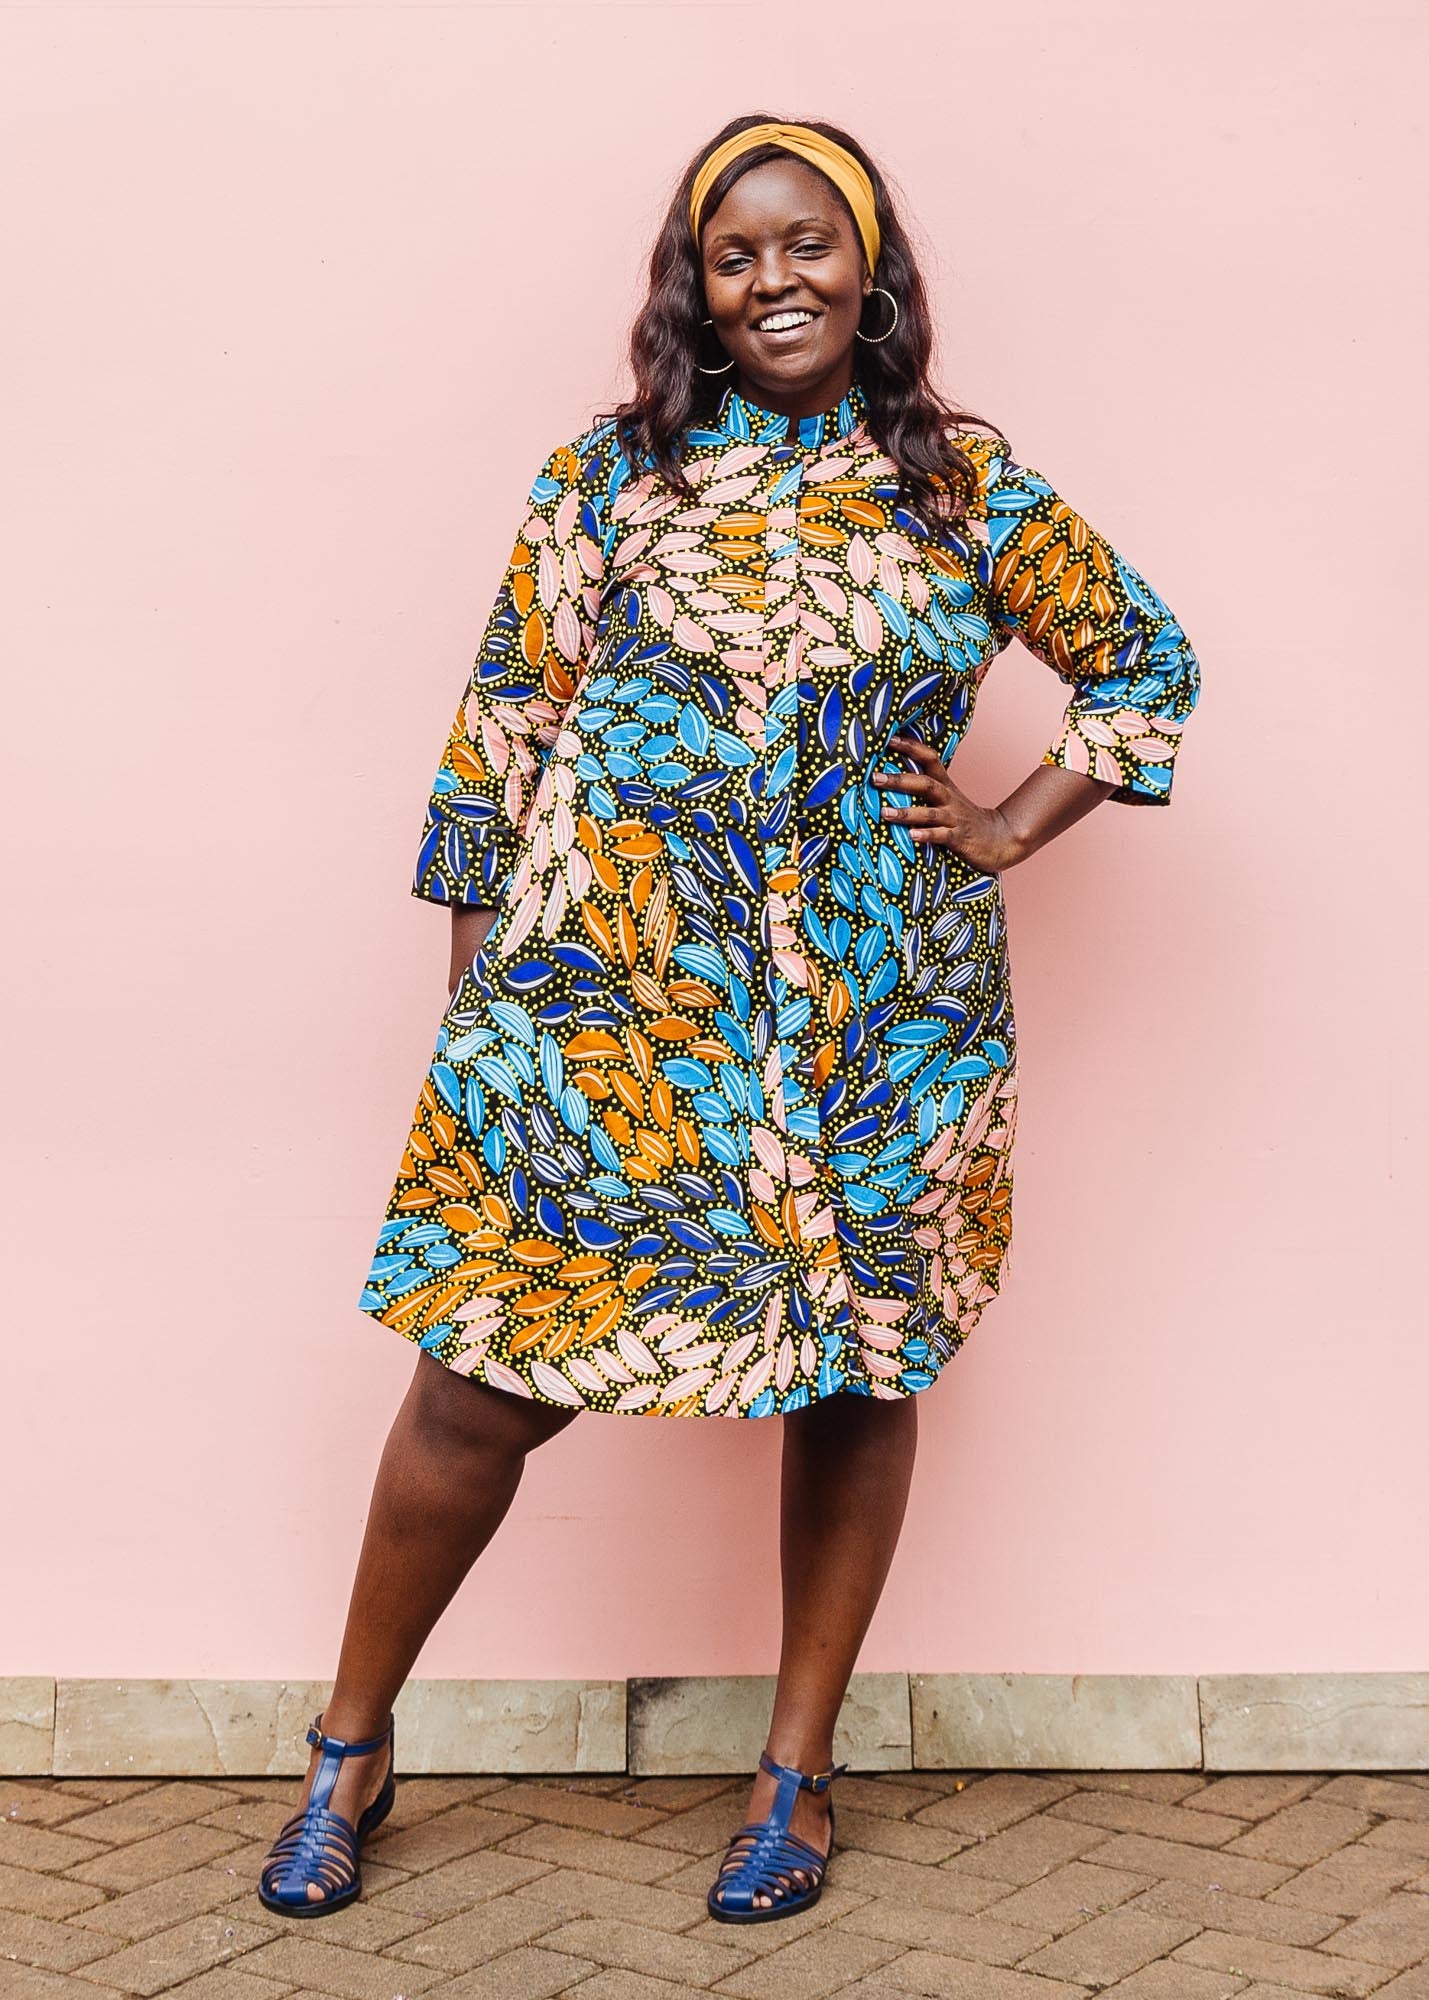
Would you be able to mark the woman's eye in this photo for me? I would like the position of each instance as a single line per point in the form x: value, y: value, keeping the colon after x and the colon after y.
x: 728, y: 266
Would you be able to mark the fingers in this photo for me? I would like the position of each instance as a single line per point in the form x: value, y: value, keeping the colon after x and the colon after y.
x: 913, y: 815
x: 907, y: 781
x: 909, y: 746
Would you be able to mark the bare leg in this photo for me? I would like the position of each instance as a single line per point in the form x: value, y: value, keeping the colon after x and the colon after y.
x: 448, y: 1473
x: 847, y: 1466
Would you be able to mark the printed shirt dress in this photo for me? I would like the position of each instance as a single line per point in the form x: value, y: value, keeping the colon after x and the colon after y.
x: 719, y: 1120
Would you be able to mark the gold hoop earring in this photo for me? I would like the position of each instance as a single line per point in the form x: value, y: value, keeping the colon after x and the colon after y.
x: 874, y: 339
x: 712, y: 371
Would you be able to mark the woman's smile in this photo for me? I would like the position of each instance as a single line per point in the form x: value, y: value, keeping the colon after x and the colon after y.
x: 784, y: 328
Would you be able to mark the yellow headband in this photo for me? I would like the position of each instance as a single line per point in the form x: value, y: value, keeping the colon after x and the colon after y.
x: 832, y: 160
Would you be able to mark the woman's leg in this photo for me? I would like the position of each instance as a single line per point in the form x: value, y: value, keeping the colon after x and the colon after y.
x: 449, y: 1471
x: 847, y: 1466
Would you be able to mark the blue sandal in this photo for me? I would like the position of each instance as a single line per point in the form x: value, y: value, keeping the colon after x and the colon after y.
x: 318, y: 1845
x: 764, y: 1857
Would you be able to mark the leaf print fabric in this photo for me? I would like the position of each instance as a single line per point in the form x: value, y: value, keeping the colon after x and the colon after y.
x: 720, y: 1119
x: 1084, y: 611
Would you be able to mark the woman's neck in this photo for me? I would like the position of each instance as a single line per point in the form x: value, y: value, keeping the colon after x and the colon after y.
x: 806, y: 401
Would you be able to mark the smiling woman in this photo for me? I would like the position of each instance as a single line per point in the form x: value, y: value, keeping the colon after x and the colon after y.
x: 774, y: 218
x: 720, y: 1115
x: 786, y: 278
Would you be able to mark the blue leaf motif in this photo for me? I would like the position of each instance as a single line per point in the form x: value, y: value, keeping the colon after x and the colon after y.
x: 825, y: 786
x: 715, y: 693
x: 513, y: 1021
x: 553, y: 1066
x: 520, y: 1064
x: 920, y: 691
x: 694, y: 730
x: 893, y: 612
x: 831, y: 715
x: 869, y: 949
x: 782, y: 770
x: 883, y: 981
x: 704, y: 962
x: 918, y: 1033
x: 687, y: 1073
x: 497, y: 1076
x: 890, y: 871
x: 575, y: 1110
x: 732, y: 749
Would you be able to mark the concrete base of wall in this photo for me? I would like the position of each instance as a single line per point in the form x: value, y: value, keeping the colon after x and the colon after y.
x: 705, y: 1724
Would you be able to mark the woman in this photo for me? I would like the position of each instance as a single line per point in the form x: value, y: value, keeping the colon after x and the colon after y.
x: 720, y: 1116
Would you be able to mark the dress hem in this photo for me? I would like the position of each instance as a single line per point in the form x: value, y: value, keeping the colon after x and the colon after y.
x: 847, y: 1387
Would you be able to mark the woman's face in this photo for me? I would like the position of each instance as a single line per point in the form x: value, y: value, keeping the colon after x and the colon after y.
x: 785, y: 280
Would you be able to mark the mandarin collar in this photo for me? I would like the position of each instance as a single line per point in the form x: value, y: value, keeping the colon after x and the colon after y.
x: 742, y: 420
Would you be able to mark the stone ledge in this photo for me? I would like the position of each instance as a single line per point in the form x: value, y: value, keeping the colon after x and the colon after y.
x: 695, y: 1724
x: 1077, y: 1722
x: 27, y: 1726
x: 691, y: 1725
x: 1315, y: 1722
x: 257, y: 1729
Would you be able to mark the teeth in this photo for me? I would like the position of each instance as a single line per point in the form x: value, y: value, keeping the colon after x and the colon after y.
x: 776, y: 322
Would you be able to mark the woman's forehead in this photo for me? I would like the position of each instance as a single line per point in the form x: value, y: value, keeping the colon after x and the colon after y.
x: 774, y: 198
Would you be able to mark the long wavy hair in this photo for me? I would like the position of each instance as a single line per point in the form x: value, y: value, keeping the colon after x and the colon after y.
x: 905, y: 415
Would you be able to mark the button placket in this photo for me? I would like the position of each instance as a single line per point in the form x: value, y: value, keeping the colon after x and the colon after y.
x: 842, y: 1355
x: 809, y: 1217
x: 790, y: 1174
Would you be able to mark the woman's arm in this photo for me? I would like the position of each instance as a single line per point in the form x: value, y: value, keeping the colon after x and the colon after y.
x: 1046, y: 803
x: 470, y: 928
x: 1088, y: 614
x: 530, y: 660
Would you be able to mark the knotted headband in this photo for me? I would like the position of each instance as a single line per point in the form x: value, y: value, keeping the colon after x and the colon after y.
x: 835, y: 162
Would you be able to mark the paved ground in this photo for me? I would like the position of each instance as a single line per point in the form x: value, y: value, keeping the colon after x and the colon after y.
x: 975, y: 1886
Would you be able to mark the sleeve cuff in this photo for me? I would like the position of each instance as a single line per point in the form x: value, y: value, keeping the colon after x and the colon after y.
x: 1124, y: 747
x: 468, y: 852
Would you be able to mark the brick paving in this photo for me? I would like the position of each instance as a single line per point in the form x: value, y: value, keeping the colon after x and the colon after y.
x: 996, y: 1885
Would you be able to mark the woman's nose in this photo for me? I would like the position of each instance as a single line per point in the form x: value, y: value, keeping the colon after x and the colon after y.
x: 772, y: 274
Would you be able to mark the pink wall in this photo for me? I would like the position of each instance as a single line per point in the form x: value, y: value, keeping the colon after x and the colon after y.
x: 305, y: 294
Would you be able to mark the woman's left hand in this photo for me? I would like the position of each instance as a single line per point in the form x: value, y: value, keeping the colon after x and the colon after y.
x: 942, y: 815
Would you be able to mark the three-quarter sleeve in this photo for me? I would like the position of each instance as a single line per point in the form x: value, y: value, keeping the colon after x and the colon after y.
x: 525, y: 675
x: 1082, y: 608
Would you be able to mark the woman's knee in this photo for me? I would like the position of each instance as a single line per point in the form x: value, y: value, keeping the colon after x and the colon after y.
x: 471, y: 1412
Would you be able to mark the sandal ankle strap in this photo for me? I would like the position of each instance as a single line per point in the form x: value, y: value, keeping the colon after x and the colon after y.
x: 811, y: 1781
x: 342, y: 1746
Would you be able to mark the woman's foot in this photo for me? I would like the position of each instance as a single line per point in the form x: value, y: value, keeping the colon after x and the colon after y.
x: 359, y: 1780
x: 809, y: 1821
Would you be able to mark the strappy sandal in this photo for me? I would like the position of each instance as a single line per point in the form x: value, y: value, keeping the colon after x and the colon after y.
x: 320, y: 1846
x: 764, y: 1857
